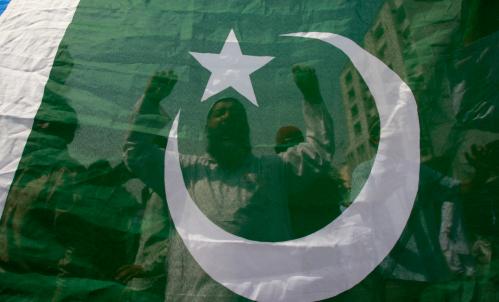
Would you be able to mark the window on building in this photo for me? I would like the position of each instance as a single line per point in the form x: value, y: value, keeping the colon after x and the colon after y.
x: 406, y: 33
x: 400, y: 15
x: 348, y: 78
x: 368, y: 101
x: 354, y: 111
x: 361, y: 151
x: 351, y: 158
x: 379, y: 31
x: 351, y: 94
x: 382, y: 51
x: 357, y: 129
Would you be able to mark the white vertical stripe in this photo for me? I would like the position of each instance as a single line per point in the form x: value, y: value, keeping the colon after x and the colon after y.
x: 30, y: 33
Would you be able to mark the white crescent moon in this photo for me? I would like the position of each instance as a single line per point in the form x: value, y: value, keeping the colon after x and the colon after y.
x: 344, y: 252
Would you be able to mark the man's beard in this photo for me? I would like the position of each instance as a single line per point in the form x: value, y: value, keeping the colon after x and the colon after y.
x: 228, y: 153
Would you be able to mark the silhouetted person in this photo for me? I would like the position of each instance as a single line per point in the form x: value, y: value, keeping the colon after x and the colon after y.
x: 433, y: 246
x: 64, y: 225
x: 99, y: 230
x: 42, y: 182
x: 244, y: 194
x: 482, y: 200
x: 43, y: 186
x: 481, y: 204
x: 316, y: 205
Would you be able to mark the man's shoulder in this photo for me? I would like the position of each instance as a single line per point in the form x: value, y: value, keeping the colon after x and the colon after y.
x: 190, y: 160
x: 252, y: 162
x: 267, y: 159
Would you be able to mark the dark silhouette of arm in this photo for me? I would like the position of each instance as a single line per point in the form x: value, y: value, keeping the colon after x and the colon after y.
x: 143, y: 155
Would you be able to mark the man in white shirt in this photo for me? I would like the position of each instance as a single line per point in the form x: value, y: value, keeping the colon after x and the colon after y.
x: 242, y: 193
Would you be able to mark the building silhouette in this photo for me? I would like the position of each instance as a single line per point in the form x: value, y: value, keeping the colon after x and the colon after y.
x: 398, y: 38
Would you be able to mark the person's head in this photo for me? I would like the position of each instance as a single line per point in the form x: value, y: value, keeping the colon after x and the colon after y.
x: 227, y: 133
x: 54, y: 126
x: 286, y: 137
x: 374, y: 132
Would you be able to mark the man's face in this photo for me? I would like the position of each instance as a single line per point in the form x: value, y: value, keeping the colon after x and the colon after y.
x: 227, y: 122
x: 227, y: 131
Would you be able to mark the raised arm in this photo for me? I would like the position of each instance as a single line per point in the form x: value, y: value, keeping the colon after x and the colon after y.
x: 311, y: 158
x: 143, y: 152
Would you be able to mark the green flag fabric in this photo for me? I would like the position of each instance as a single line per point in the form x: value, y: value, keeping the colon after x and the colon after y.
x: 249, y: 150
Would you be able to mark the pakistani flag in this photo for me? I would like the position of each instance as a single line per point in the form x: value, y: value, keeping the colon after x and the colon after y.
x: 249, y: 150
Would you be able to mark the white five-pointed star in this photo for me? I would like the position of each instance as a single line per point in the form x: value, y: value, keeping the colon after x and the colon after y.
x: 230, y: 68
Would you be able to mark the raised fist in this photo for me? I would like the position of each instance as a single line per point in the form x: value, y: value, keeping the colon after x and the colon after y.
x: 161, y: 85
x: 306, y: 80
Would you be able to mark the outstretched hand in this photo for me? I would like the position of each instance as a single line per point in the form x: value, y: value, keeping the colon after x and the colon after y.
x: 306, y: 80
x: 160, y: 85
